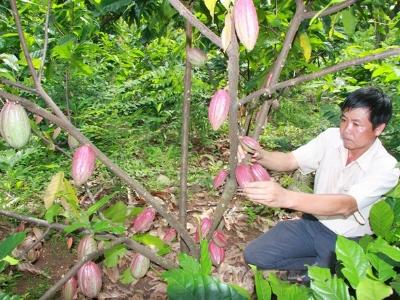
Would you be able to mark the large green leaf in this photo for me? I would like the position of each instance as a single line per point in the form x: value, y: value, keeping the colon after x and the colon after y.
x: 287, y: 291
x: 184, y: 285
x: 113, y: 255
x: 381, y: 246
x: 99, y: 204
x: 117, y: 212
x: 326, y: 287
x: 349, y: 21
x: 384, y: 269
x: 263, y: 289
x: 369, y: 289
x: 381, y: 218
x: 205, y: 260
x: 189, y: 263
x: 8, y: 245
x: 355, y: 262
x: 153, y: 241
x: 4, y: 296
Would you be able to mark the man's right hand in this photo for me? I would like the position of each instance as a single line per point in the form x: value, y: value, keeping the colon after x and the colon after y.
x: 243, y: 150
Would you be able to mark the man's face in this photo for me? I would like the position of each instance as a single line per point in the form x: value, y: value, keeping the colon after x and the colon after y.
x: 356, y: 129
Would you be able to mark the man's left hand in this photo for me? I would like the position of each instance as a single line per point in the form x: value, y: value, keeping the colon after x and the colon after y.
x: 268, y: 193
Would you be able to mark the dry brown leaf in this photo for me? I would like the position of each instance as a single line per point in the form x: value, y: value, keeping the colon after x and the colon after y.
x: 28, y: 267
x: 70, y: 241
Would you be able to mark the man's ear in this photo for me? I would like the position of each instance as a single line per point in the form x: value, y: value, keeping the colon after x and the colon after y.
x: 379, y: 129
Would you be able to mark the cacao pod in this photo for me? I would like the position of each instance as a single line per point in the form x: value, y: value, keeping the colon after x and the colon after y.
x: 219, y: 108
x: 90, y: 279
x: 259, y: 173
x: 69, y: 289
x: 205, y: 227
x: 219, y: 239
x: 169, y: 235
x: 14, y: 125
x: 139, y: 265
x: 246, y: 23
x: 250, y: 142
x: 86, y: 245
x: 220, y: 178
x: 217, y: 254
x: 83, y: 164
x: 243, y: 174
x: 196, y: 56
x: 144, y: 220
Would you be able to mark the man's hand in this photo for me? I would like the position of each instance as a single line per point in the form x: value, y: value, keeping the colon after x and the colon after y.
x: 243, y: 150
x: 268, y: 193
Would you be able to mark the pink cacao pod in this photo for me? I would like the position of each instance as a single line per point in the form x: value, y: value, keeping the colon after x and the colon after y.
x: 246, y: 23
x: 83, y: 164
x: 144, y: 220
x: 89, y: 279
x: 219, y: 108
x: 217, y: 254
x: 196, y: 56
x: 170, y: 235
x: 139, y: 265
x: 69, y: 289
x: 250, y: 142
x: 86, y: 245
x: 205, y: 227
x: 259, y: 173
x: 219, y: 239
x: 243, y: 174
x: 220, y: 178
x: 15, y: 127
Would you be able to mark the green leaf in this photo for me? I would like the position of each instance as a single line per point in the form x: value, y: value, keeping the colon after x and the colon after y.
x: 71, y: 203
x: 263, y: 289
x: 55, y: 186
x: 369, y: 289
x: 75, y: 226
x: 11, y: 260
x: 184, y: 285
x: 384, y: 269
x: 63, y: 51
x: 381, y: 218
x: 349, y: 21
x: 52, y: 212
x: 99, y: 204
x: 205, y: 260
x: 305, y: 45
x: 326, y: 287
x: 355, y: 263
x: 189, y: 263
x: 127, y: 277
x: 4, y: 296
x: 113, y: 255
x: 395, y: 192
x: 106, y: 225
x: 117, y: 212
x: 8, y: 245
x: 153, y: 242
x: 287, y: 291
x: 381, y: 246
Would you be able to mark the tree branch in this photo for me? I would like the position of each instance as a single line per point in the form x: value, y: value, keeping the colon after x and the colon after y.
x: 330, y: 10
x: 18, y: 85
x: 185, y: 132
x: 323, y: 72
x: 184, y: 12
x: 46, y: 40
x: 67, y: 126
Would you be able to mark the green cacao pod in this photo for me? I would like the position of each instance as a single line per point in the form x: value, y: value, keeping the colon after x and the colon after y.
x: 14, y: 125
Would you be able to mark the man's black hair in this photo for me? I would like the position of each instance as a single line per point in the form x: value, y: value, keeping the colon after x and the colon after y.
x: 378, y: 103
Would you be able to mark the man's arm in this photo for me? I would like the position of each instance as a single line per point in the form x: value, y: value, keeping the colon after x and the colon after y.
x: 276, y: 161
x: 272, y: 194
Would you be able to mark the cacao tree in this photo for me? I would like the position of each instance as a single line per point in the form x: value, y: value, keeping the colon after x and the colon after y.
x: 267, y: 47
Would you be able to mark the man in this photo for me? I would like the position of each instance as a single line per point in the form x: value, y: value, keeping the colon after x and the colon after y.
x: 352, y: 171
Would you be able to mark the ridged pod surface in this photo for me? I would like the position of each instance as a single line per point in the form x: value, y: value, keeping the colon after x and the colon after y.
x: 250, y: 142
x: 219, y: 238
x: 169, y: 235
x: 217, y: 253
x: 246, y: 23
x: 259, y: 173
x: 219, y: 179
x: 139, y: 265
x: 196, y: 56
x: 14, y: 125
x: 69, y: 289
x: 90, y: 279
x: 243, y: 174
x: 86, y: 245
x: 144, y: 220
x: 83, y: 164
x: 205, y: 227
x: 219, y: 108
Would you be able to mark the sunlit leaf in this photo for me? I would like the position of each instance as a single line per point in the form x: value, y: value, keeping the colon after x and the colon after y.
x: 226, y: 34
x: 113, y: 255
x: 153, y: 242
x: 210, y: 4
x: 381, y: 218
x: 349, y: 21
x: 305, y: 45
x: 55, y: 186
x: 369, y: 289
